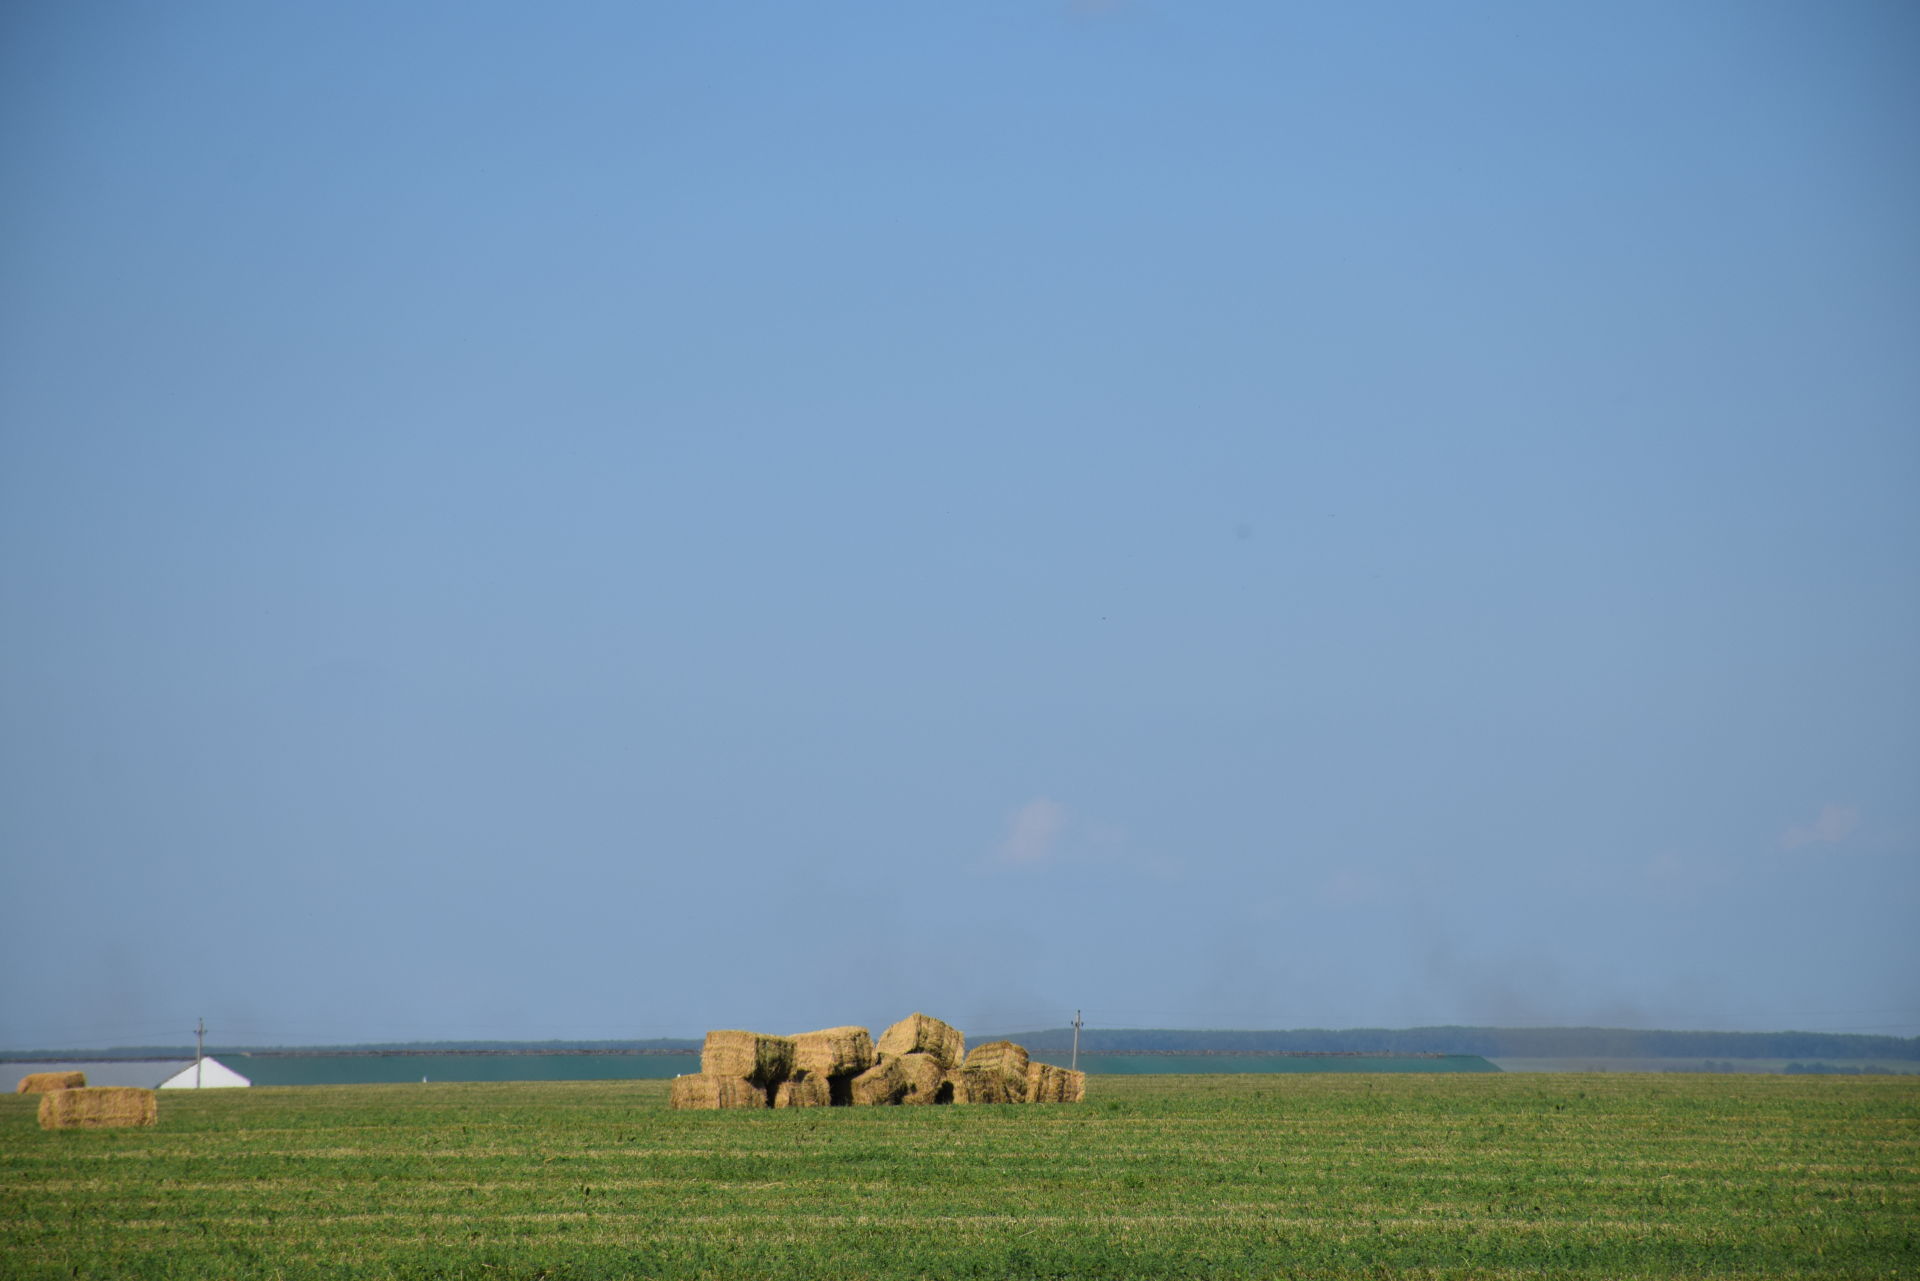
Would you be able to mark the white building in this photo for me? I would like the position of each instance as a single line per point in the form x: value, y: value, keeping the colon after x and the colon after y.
x: 148, y: 1074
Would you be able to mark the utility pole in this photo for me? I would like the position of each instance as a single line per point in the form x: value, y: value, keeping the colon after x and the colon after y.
x: 199, y: 1049
x: 1074, y: 1062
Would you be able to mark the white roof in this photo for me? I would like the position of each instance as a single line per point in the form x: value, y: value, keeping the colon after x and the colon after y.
x: 208, y: 1074
x: 147, y: 1074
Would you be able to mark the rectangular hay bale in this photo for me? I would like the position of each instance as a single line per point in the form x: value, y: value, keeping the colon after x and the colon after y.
x: 1049, y: 1084
x: 41, y: 1082
x: 996, y: 1073
x: 833, y: 1051
x: 98, y: 1107
x: 923, y: 1034
x: 984, y: 1085
x: 701, y: 1091
x: 879, y: 1086
x: 1043, y: 1082
x: 747, y: 1056
x: 803, y: 1092
x: 1003, y: 1055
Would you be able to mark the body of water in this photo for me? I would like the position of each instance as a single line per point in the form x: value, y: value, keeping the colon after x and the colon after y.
x: 374, y: 1069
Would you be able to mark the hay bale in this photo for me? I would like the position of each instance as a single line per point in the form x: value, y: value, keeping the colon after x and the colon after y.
x: 980, y: 1085
x: 881, y: 1085
x: 1049, y: 1084
x: 923, y: 1034
x: 748, y: 1056
x: 701, y: 1091
x: 1043, y: 1082
x: 832, y: 1052
x: 1004, y: 1056
x: 803, y: 1092
x: 995, y: 1073
x: 97, y: 1107
x: 925, y: 1081
x: 41, y: 1082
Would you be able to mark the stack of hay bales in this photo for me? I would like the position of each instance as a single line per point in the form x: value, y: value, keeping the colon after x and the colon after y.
x: 918, y: 1061
x: 97, y: 1107
x: 41, y: 1082
x: 917, y: 1057
x: 737, y: 1070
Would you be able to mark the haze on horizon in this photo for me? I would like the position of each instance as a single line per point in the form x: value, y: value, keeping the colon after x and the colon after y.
x: 618, y: 520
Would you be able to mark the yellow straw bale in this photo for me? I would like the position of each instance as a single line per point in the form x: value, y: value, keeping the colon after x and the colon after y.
x: 803, y: 1092
x: 748, y: 1056
x: 834, y: 1051
x: 924, y: 1079
x: 883, y: 1084
x: 1002, y: 1055
x: 1043, y: 1082
x: 982, y: 1085
x: 996, y: 1073
x: 985, y: 1088
x: 1049, y: 1084
x: 41, y: 1082
x: 97, y: 1107
x: 703, y: 1091
x: 923, y: 1034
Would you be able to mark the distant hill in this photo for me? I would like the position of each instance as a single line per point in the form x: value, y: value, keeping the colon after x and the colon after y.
x: 1488, y: 1042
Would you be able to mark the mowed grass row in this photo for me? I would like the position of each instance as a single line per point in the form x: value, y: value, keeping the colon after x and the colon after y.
x: 1231, y: 1176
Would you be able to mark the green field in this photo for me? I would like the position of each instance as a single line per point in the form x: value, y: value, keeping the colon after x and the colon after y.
x: 1148, y: 1064
x: 370, y: 1069
x: 1465, y: 1175
x: 1848, y: 1067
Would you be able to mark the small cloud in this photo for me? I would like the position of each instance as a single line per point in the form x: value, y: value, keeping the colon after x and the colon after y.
x: 1835, y: 824
x: 1033, y: 832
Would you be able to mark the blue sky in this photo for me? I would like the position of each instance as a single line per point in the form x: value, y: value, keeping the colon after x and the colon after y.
x: 616, y: 520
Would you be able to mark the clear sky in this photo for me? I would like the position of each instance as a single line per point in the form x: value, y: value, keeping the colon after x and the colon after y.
x: 613, y: 520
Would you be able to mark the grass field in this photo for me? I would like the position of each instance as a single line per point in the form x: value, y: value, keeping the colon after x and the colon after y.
x: 1229, y: 1176
x: 1875, y: 1067
x: 1241, y: 1064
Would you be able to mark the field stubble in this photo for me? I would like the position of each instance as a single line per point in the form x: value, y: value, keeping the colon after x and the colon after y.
x: 1229, y: 1176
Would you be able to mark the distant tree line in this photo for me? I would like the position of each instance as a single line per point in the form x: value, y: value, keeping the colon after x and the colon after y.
x: 1834, y: 1069
x: 1489, y: 1042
